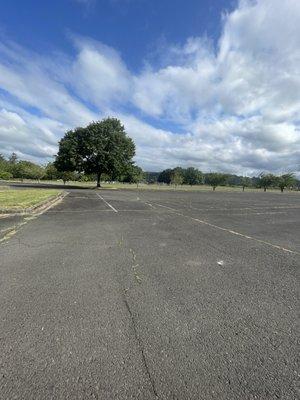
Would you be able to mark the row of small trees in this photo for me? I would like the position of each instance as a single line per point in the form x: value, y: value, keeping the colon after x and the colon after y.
x: 13, y: 168
x: 282, y: 181
x: 192, y: 176
x: 19, y: 169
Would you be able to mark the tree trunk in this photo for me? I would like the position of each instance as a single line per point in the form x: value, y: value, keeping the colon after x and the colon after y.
x: 214, y: 188
x: 265, y: 189
x: 243, y: 188
x: 99, y: 179
x: 281, y: 189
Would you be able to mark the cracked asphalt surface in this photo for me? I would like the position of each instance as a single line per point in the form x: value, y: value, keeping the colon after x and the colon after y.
x: 148, y: 294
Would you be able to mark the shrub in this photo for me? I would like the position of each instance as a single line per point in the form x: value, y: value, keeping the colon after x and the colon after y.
x: 5, y: 175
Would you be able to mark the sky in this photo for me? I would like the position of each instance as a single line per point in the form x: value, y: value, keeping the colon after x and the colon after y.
x: 213, y: 84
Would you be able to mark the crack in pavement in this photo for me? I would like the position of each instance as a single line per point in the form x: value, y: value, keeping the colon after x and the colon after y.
x: 140, y: 345
x: 134, y: 266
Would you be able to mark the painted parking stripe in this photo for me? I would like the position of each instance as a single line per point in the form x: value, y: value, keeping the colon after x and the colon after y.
x: 232, y: 232
x: 107, y: 203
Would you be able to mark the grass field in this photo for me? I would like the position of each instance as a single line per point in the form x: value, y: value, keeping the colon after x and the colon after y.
x: 21, y: 199
x: 185, y: 188
x: 143, y: 186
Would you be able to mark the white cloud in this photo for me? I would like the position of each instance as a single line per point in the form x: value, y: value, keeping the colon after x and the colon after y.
x: 182, y: 87
x: 98, y: 74
x: 238, y: 104
x: 27, y: 78
x: 26, y: 136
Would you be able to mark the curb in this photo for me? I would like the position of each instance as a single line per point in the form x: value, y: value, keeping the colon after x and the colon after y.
x: 34, y: 209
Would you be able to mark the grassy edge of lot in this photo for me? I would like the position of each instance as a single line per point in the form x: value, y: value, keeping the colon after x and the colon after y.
x: 18, y: 200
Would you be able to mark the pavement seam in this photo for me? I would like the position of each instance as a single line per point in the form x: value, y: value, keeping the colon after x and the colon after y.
x: 230, y: 230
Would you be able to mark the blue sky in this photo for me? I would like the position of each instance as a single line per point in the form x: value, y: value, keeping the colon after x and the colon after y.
x: 212, y: 84
x: 134, y: 27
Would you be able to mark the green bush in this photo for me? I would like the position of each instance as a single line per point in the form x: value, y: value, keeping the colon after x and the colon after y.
x: 5, y: 175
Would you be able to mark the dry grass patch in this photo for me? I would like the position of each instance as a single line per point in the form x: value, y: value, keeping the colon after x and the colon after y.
x: 24, y: 198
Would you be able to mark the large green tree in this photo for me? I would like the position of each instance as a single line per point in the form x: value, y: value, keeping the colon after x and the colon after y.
x: 101, y: 147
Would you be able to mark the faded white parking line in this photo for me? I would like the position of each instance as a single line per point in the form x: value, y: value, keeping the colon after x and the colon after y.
x: 257, y: 208
x: 107, y: 203
x: 249, y: 214
x: 229, y: 230
x: 150, y: 205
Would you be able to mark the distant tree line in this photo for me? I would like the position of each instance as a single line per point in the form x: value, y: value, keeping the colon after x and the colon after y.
x: 19, y: 169
x: 13, y: 168
x: 192, y: 176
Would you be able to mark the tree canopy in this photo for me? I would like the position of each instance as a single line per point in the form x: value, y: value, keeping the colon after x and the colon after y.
x: 246, y: 182
x: 133, y: 174
x: 215, y: 179
x: 101, y: 147
x: 177, y: 177
x: 192, y: 176
x: 188, y: 176
x: 267, y: 180
x: 165, y: 176
x: 286, y: 180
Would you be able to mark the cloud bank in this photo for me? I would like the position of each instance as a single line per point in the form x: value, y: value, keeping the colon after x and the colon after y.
x: 234, y: 106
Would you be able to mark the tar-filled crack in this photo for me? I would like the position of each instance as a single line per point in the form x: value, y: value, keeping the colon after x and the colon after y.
x: 140, y: 344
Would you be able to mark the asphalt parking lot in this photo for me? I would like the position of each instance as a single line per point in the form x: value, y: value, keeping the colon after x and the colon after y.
x: 153, y: 294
